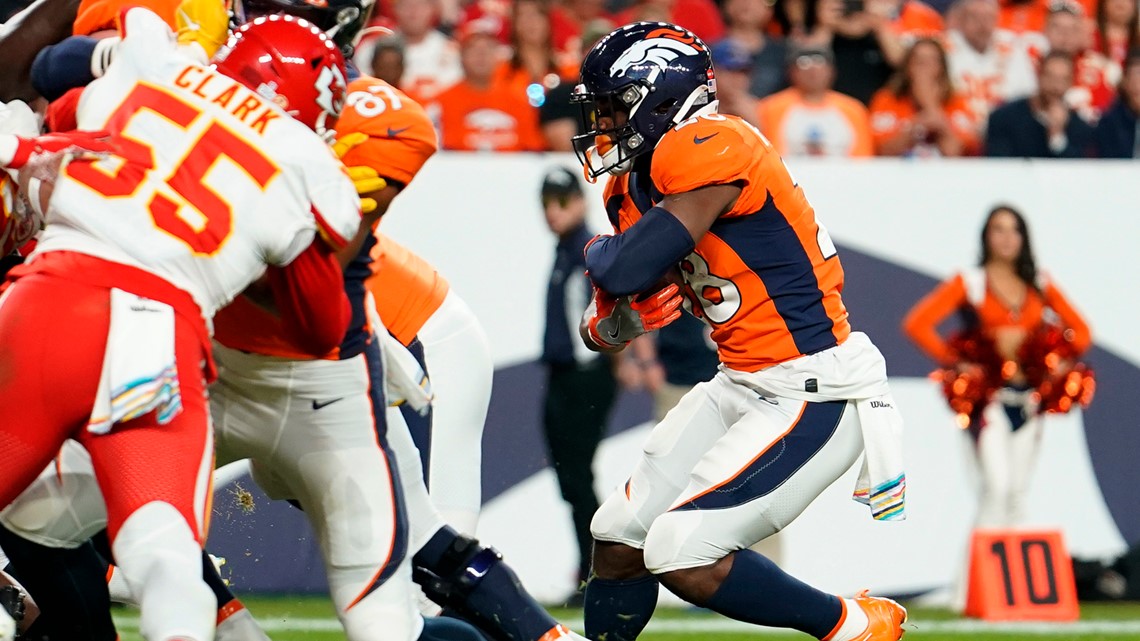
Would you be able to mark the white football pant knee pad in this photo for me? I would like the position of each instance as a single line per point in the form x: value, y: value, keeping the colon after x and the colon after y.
x: 688, y: 539
x: 63, y: 507
x: 616, y: 521
x: 162, y: 562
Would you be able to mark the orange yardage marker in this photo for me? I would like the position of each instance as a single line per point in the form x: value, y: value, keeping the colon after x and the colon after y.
x: 1020, y: 575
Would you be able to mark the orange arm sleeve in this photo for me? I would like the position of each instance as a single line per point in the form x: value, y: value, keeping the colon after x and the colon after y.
x: 921, y: 323
x: 1071, y: 318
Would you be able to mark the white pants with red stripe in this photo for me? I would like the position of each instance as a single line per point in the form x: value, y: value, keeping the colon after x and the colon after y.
x: 309, y: 430
x: 725, y: 469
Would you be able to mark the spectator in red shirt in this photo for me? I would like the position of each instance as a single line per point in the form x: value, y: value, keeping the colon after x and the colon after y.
x: 568, y: 20
x: 918, y: 113
x: 1117, y: 28
x: 1096, y: 75
x: 699, y: 16
x: 481, y: 112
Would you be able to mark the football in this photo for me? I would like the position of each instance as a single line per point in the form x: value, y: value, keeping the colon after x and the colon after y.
x: 671, y: 277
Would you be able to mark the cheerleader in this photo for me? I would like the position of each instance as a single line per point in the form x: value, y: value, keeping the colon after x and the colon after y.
x: 1005, y: 300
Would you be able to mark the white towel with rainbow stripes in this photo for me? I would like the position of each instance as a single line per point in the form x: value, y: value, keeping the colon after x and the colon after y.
x: 853, y: 371
x: 140, y: 374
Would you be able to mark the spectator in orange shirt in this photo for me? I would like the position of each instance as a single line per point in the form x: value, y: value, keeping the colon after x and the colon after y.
x: 808, y: 118
x: 918, y: 113
x: 913, y: 19
x: 747, y: 22
x: 533, y: 68
x: 478, y: 113
x: 733, y: 71
x: 1117, y: 28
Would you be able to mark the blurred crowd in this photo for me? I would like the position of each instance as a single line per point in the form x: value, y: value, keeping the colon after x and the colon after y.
x: 1017, y: 78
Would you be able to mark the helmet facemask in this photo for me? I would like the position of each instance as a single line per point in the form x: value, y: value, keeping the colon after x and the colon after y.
x: 613, y: 149
x: 611, y: 142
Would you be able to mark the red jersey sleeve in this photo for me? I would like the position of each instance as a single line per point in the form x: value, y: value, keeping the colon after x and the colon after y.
x: 309, y: 294
x: 921, y: 323
x: 62, y: 113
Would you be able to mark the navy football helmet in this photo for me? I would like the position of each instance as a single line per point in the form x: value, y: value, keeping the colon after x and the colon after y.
x: 639, y: 82
x: 341, y: 20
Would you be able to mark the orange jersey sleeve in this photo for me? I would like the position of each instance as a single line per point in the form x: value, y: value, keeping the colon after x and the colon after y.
x: 1070, y: 317
x: 406, y: 288
x: 401, y: 137
x: 711, y: 150
x: 921, y: 323
x: 99, y: 15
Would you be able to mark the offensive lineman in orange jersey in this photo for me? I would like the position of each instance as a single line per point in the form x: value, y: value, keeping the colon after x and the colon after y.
x: 385, y: 138
x: 389, y: 133
x: 702, y: 198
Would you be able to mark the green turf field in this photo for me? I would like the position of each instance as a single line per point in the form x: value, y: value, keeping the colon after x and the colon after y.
x: 312, y: 619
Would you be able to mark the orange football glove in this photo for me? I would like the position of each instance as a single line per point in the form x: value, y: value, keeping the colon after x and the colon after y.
x: 611, y: 322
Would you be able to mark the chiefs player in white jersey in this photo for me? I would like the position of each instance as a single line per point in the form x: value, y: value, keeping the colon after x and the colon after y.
x: 104, y: 333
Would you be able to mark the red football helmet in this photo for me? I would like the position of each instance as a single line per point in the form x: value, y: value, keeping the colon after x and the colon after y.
x: 293, y: 63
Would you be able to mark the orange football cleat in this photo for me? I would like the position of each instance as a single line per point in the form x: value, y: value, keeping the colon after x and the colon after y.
x: 884, y: 618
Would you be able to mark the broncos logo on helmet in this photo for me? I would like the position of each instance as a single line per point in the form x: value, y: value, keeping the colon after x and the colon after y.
x: 638, y: 83
x: 660, y: 48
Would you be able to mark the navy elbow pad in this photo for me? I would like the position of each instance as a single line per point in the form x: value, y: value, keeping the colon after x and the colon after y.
x: 61, y: 67
x: 631, y: 262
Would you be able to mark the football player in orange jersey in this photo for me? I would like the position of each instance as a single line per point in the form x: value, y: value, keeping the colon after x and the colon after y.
x: 703, y: 207
x: 385, y: 134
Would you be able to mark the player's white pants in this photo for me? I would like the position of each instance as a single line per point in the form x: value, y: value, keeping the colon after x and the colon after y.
x: 309, y: 431
x: 458, y: 361
x: 63, y: 507
x: 1005, y: 459
x: 725, y: 469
